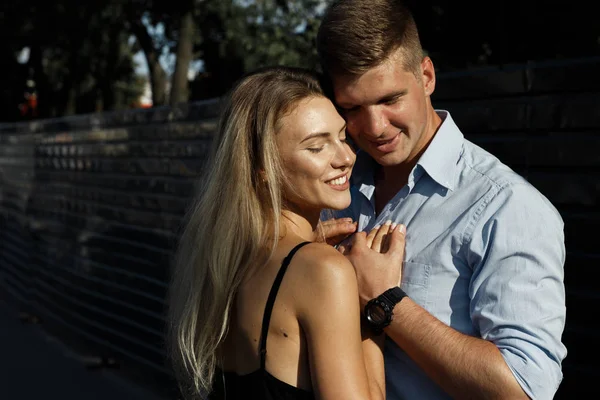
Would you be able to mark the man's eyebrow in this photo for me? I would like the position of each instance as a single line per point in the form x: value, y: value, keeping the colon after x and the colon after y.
x: 383, y: 99
x: 392, y: 96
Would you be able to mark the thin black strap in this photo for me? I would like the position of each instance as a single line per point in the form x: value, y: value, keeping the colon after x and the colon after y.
x: 271, y: 302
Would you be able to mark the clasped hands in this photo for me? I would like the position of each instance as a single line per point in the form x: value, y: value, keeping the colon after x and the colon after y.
x: 377, y: 256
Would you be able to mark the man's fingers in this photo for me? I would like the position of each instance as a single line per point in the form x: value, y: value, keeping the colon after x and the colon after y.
x: 359, y: 240
x: 397, y: 240
x: 380, y: 236
x: 385, y: 245
x: 371, y: 235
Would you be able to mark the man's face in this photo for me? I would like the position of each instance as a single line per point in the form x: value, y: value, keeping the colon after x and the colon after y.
x: 388, y: 110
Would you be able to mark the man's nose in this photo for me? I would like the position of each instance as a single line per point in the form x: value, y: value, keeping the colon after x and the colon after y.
x: 373, y: 122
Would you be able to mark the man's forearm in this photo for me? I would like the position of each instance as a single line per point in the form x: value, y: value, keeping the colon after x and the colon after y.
x: 464, y: 366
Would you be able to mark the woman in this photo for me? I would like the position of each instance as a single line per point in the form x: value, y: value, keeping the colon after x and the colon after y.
x: 258, y: 307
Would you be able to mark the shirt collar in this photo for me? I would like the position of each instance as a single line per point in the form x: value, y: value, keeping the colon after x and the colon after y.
x: 362, y: 174
x: 439, y: 160
x: 442, y: 154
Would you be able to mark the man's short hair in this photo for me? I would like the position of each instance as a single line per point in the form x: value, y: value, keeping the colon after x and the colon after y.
x: 357, y: 35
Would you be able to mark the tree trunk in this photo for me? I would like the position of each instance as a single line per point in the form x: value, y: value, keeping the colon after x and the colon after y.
x: 106, y: 78
x: 158, y: 76
x: 71, y: 88
x: 158, y: 80
x: 71, y: 101
x: 185, y: 46
x: 45, y: 97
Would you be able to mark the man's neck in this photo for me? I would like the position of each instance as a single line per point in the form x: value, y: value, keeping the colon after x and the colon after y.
x: 388, y: 182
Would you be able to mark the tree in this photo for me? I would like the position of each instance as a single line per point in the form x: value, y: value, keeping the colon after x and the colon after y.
x: 12, y: 90
x: 139, y: 14
x: 237, y: 37
x: 75, y: 72
x: 72, y: 73
x: 185, y: 47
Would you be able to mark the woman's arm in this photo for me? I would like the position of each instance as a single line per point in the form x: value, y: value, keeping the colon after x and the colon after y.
x: 373, y: 354
x: 342, y: 364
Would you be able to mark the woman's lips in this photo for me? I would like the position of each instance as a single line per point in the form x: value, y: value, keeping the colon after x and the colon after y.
x: 341, y: 183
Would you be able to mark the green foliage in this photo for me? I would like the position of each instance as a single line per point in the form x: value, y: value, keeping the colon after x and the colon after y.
x: 272, y: 35
x: 240, y: 36
x: 80, y: 58
x: 81, y: 53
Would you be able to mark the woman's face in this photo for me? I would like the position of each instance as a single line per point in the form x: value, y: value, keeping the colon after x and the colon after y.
x: 316, y: 159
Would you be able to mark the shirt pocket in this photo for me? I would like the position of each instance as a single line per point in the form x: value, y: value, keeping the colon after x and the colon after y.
x: 415, y: 281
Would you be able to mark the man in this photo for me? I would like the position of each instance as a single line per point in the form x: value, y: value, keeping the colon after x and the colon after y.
x: 483, y: 270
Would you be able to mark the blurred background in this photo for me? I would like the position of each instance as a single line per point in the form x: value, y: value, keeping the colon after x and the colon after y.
x: 106, y: 113
x: 70, y: 57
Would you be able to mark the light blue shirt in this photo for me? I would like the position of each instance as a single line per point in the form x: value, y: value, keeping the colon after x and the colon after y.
x: 484, y: 254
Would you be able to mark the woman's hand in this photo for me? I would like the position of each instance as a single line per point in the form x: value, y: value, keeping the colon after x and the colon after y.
x: 336, y: 230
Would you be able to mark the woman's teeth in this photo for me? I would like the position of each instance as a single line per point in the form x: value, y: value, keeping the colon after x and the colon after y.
x: 338, y: 181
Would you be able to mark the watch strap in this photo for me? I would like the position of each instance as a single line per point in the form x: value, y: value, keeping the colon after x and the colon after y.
x: 393, y: 296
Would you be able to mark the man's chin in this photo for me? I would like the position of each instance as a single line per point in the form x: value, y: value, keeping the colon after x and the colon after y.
x: 389, y: 159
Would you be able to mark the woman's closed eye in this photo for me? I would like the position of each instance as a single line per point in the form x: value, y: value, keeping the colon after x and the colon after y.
x: 317, y: 149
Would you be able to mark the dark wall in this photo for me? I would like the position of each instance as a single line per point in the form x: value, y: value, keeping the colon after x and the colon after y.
x: 90, y: 210
x: 90, y: 206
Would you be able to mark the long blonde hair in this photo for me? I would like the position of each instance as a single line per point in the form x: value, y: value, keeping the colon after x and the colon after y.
x: 234, y: 222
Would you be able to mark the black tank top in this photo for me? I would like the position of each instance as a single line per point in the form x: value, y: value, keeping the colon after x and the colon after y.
x: 260, y: 384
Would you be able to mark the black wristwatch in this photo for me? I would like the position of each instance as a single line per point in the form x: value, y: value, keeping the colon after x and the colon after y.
x: 379, y: 311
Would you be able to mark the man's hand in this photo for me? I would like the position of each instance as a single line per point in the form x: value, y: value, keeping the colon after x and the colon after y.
x: 336, y: 230
x: 377, y: 259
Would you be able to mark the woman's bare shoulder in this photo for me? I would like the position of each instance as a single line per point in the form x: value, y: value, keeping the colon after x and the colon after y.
x: 316, y: 255
x: 323, y: 280
x: 319, y: 265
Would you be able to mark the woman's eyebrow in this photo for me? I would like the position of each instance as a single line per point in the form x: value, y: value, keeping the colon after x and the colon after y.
x: 314, y: 135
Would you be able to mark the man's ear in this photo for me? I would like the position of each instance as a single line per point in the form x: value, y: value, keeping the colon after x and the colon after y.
x: 428, y: 75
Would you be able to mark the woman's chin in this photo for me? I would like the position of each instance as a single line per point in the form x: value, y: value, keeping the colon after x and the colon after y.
x: 339, y: 205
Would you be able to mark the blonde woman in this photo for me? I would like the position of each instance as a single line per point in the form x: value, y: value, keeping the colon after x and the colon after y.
x: 259, y: 306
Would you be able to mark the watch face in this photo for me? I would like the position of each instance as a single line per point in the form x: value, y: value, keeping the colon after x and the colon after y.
x: 376, y: 314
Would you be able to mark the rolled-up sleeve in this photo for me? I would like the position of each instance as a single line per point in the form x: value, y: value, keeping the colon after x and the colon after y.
x: 516, y: 248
